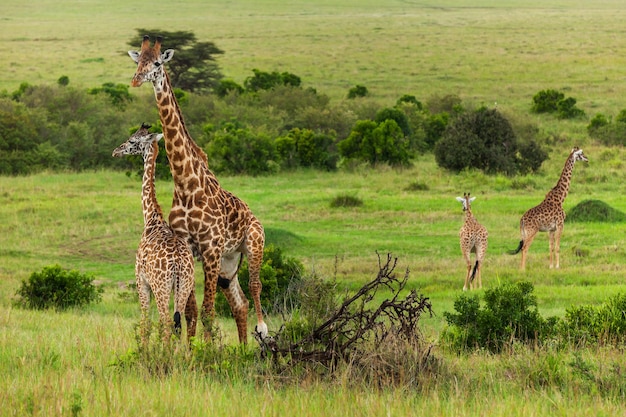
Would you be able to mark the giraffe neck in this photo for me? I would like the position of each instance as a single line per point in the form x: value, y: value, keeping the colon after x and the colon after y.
x: 182, y: 152
x: 151, y: 209
x: 559, y: 192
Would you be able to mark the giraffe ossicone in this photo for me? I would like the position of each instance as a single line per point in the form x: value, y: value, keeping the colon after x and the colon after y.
x: 164, y: 262
x: 219, y: 227
x: 473, y: 238
x: 549, y: 215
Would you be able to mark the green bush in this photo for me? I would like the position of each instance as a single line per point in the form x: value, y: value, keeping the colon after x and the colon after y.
x: 376, y: 143
x: 594, y: 211
x: 587, y: 324
x: 509, y: 314
x: 305, y: 148
x: 358, y: 91
x: 238, y: 150
x: 546, y: 101
x: 55, y: 287
x: 484, y: 139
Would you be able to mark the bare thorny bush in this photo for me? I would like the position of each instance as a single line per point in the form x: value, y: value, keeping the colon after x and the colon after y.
x: 362, y: 339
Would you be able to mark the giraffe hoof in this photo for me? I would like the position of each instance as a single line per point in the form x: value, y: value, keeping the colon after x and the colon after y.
x: 261, y: 330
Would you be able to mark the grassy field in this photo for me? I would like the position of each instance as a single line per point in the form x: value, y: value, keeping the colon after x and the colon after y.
x: 494, y: 51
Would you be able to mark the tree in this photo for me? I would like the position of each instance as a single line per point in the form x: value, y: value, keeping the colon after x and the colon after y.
x: 194, y: 68
x: 376, y: 142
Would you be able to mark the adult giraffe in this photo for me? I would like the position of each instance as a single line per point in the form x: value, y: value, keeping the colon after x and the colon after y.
x: 218, y: 226
x: 549, y: 215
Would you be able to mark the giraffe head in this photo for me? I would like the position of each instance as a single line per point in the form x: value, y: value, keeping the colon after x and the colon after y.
x: 466, y: 200
x: 150, y: 62
x: 578, y: 155
x: 140, y: 143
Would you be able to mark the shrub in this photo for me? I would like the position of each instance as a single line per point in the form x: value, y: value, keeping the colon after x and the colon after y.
x: 358, y: 91
x: 262, y: 80
x: 225, y: 87
x: 410, y: 100
x: 304, y: 148
x: 546, y: 101
x: 376, y: 143
x: 55, y: 287
x: 484, y: 139
x: 510, y: 314
x: 238, y: 150
x: 586, y: 324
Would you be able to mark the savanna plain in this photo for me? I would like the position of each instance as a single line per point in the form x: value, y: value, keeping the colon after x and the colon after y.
x: 68, y: 363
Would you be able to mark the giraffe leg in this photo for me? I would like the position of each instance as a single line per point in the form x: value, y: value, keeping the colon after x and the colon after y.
x: 211, y: 265
x: 255, y: 242
x: 557, y: 244
x: 551, y: 247
x: 466, y: 256
x: 527, y: 238
x: 191, y: 314
x: 238, y: 305
x: 165, y: 323
x: 143, y: 291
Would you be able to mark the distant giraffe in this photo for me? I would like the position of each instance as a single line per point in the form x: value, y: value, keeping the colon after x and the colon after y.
x: 549, y: 215
x: 164, y: 261
x: 218, y: 226
x: 473, y: 238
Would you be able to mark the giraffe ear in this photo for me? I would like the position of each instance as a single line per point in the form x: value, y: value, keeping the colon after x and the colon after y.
x: 159, y: 137
x: 134, y: 55
x: 472, y: 199
x: 167, y: 55
x: 460, y: 199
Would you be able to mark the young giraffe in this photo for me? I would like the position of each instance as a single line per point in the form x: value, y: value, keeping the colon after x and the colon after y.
x: 549, y: 215
x: 473, y: 238
x: 218, y: 226
x: 164, y: 261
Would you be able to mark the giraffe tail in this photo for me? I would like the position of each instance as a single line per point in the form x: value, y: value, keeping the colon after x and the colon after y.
x: 519, y: 248
x: 474, y: 272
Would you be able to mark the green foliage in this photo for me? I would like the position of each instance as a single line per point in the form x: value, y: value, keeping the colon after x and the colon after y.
x: 238, y: 150
x: 396, y: 115
x: 358, y: 91
x: 589, y: 324
x: 553, y: 101
x: 594, y: 211
x: 118, y: 93
x: 226, y: 87
x: 63, y: 80
x: 376, y: 143
x: 262, y: 80
x: 55, y: 287
x: 606, y: 132
x: 194, y: 67
x: 546, y: 101
x: 277, y: 273
x: 304, y: 148
x: 410, y: 99
x: 484, y: 139
x: 510, y: 314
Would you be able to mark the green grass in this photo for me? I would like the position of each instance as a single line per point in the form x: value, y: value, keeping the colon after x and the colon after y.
x: 504, y: 52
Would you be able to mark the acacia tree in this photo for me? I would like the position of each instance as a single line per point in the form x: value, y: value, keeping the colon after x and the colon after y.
x: 194, y: 68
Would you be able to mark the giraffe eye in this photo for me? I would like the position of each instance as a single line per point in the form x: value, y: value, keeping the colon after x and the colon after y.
x: 157, y: 64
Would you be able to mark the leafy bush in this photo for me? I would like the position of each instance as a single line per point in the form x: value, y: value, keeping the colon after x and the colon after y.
x: 304, y: 148
x: 238, y: 150
x: 484, y: 139
x: 546, y: 101
x: 55, y: 287
x: 262, y: 80
x: 587, y: 324
x: 510, y: 314
x: 358, y: 91
x: 277, y: 273
x: 553, y: 101
x: 376, y: 143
